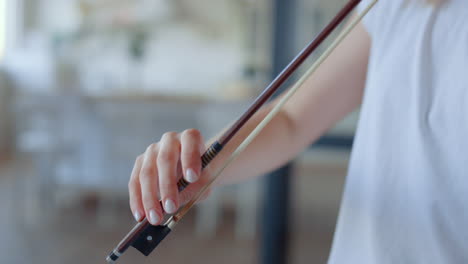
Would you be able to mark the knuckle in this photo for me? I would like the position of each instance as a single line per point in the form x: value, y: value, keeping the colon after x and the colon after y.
x: 148, y: 201
x: 140, y: 158
x: 131, y: 184
x: 151, y: 147
x: 193, y: 133
x: 167, y: 189
x: 168, y: 184
x: 191, y: 154
x: 167, y: 157
x: 133, y: 201
x: 146, y: 174
x: 191, y: 159
x: 169, y: 135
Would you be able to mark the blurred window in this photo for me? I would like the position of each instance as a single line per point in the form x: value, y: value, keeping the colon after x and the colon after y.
x: 2, y: 28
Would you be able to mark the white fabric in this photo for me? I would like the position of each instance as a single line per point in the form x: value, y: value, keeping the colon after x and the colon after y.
x: 406, y: 195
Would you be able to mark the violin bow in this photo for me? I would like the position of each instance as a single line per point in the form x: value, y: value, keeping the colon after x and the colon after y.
x: 145, y: 237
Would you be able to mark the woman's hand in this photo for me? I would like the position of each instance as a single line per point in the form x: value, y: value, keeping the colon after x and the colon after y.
x: 156, y: 173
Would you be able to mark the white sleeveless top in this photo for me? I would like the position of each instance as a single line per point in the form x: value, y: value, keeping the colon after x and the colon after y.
x: 406, y: 195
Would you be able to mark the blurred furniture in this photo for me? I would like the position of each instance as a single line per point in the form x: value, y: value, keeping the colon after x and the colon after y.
x: 88, y: 144
x: 48, y: 135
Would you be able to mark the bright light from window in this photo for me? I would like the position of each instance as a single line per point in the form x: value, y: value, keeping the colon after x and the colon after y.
x: 2, y: 28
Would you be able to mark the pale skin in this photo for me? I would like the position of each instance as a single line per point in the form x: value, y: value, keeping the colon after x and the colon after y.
x: 335, y: 90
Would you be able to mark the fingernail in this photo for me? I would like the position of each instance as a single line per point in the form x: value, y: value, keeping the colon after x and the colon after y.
x: 191, y: 176
x: 153, y: 217
x: 137, y: 216
x: 169, y: 206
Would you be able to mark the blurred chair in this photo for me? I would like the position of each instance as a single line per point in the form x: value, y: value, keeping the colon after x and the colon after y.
x: 40, y: 124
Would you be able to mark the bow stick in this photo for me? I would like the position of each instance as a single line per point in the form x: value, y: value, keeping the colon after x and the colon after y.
x: 145, y: 237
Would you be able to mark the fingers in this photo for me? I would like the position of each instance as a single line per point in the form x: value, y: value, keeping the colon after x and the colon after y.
x: 150, y: 185
x: 192, y: 147
x: 155, y: 175
x: 168, y: 159
x: 134, y: 190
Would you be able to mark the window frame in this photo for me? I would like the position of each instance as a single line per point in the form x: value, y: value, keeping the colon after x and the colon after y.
x: 3, y: 29
x: 13, y: 26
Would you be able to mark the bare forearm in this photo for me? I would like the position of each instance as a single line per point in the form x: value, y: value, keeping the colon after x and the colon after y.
x: 282, y: 139
x: 326, y: 97
x: 263, y: 153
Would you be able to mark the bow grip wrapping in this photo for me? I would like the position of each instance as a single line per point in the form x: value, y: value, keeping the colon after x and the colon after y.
x: 206, y: 158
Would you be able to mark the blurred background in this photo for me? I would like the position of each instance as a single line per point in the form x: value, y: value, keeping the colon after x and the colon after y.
x: 86, y: 85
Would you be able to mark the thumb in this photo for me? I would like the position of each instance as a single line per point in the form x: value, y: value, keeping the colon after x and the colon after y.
x: 194, y: 188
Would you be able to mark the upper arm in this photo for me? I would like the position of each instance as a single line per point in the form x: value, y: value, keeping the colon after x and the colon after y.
x: 334, y: 90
